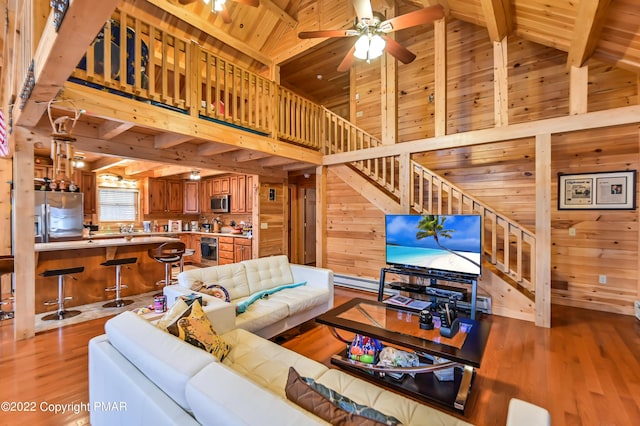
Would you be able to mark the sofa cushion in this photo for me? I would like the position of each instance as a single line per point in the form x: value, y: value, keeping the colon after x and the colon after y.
x: 220, y: 396
x: 331, y: 406
x: 266, y: 363
x: 392, y: 404
x: 160, y: 356
x: 242, y: 306
x: 262, y: 313
x: 267, y: 272
x: 196, y: 330
x: 300, y: 299
x: 232, y: 277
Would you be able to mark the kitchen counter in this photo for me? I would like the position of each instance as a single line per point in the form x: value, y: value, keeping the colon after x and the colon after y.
x: 102, y: 236
x: 97, y: 243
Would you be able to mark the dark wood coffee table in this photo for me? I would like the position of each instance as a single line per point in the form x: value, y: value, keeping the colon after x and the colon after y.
x: 400, y: 328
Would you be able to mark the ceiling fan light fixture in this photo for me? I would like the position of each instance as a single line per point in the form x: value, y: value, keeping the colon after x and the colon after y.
x: 362, y: 47
x: 218, y: 5
x: 376, y: 47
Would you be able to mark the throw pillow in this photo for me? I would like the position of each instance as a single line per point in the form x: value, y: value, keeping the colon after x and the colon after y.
x: 196, y: 329
x: 330, y: 405
x: 216, y: 291
x: 172, y: 314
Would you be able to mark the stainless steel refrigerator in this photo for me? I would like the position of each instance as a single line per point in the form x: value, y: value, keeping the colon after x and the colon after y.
x: 58, y: 216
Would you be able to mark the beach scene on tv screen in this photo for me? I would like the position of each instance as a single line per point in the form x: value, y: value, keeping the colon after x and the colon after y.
x: 445, y: 242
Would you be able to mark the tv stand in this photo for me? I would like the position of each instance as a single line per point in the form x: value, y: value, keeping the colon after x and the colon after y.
x: 432, y: 277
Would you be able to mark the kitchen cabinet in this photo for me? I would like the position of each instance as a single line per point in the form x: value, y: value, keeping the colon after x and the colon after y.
x: 238, y: 186
x: 164, y: 196
x: 191, y: 202
x: 226, y: 252
x: 221, y: 186
x: 40, y: 171
x: 87, y: 184
x: 241, y: 249
x: 249, y: 201
x: 206, y: 191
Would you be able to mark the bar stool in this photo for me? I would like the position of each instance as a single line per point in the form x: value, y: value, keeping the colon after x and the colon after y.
x: 6, y: 267
x: 118, y: 302
x: 60, y: 273
x: 167, y: 253
x: 187, y: 252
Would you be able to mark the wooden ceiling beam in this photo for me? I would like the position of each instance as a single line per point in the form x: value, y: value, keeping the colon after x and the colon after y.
x: 105, y: 163
x: 111, y: 129
x: 58, y: 52
x: 275, y: 161
x: 138, y: 147
x: 168, y: 140
x: 586, y: 31
x: 497, y: 15
x: 186, y: 14
x: 208, y: 149
x: 279, y: 12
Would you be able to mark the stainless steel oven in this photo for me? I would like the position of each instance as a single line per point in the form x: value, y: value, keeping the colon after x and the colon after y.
x: 209, y: 250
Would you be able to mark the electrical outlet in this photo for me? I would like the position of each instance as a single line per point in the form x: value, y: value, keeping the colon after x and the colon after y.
x: 264, y: 225
x: 572, y: 232
x: 602, y: 279
x: 359, y: 114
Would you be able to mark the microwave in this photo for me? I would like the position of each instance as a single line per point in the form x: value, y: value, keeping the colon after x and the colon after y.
x: 220, y: 203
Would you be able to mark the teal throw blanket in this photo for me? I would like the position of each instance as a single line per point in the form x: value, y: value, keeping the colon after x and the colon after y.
x: 242, y: 306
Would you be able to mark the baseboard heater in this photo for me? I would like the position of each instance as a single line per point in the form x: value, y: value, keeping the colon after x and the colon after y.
x: 483, y: 302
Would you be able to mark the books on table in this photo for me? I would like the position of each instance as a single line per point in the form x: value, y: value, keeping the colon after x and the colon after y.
x: 408, y: 302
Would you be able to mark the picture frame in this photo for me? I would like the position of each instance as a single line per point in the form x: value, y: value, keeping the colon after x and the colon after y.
x: 597, y: 191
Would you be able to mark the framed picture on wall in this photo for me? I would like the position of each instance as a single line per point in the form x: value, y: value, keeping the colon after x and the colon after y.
x: 597, y: 191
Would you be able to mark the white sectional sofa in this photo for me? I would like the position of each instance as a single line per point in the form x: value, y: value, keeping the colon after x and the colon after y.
x: 269, y: 316
x: 153, y: 377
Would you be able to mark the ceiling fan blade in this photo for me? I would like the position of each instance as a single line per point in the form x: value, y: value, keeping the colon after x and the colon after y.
x: 186, y: 1
x: 363, y: 9
x: 411, y: 19
x: 347, y: 61
x: 327, y: 33
x: 224, y: 14
x: 254, y: 3
x: 398, y: 51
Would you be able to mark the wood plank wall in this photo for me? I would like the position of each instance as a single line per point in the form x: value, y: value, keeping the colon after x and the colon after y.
x: 503, y: 174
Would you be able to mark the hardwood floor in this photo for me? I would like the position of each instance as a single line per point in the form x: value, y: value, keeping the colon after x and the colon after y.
x: 585, y: 370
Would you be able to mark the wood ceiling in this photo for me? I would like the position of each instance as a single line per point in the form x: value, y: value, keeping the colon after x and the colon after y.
x: 263, y: 37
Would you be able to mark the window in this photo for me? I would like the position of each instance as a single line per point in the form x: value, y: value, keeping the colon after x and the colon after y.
x: 118, y: 205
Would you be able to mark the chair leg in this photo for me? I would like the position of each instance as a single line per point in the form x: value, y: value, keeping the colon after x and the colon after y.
x: 61, y: 313
x: 118, y: 302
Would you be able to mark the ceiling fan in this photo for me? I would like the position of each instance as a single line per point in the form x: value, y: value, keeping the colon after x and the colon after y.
x: 371, y: 29
x: 219, y: 7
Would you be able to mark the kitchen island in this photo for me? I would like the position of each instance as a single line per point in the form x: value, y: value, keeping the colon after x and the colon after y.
x: 88, y: 287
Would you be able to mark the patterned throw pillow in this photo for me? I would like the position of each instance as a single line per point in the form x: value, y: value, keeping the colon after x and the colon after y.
x: 330, y: 405
x: 172, y: 315
x: 196, y: 330
x: 217, y: 291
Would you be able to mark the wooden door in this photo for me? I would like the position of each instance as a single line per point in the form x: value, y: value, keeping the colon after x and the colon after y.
x: 309, y: 226
x: 191, y: 197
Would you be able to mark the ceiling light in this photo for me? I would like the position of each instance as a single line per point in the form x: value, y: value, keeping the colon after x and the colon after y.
x: 195, y: 175
x: 78, y: 162
x: 376, y: 46
x: 362, y: 47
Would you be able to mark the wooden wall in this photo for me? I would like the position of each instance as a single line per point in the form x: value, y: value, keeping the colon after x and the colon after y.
x: 6, y: 176
x: 273, y: 214
x: 355, y: 231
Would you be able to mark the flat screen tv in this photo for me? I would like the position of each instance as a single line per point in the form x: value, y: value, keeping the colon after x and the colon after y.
x: 440, y: 244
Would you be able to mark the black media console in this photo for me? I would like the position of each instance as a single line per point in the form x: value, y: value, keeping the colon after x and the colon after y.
x: 433, y: 289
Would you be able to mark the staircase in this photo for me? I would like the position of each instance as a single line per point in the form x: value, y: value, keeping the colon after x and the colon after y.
x: 508, y: 246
